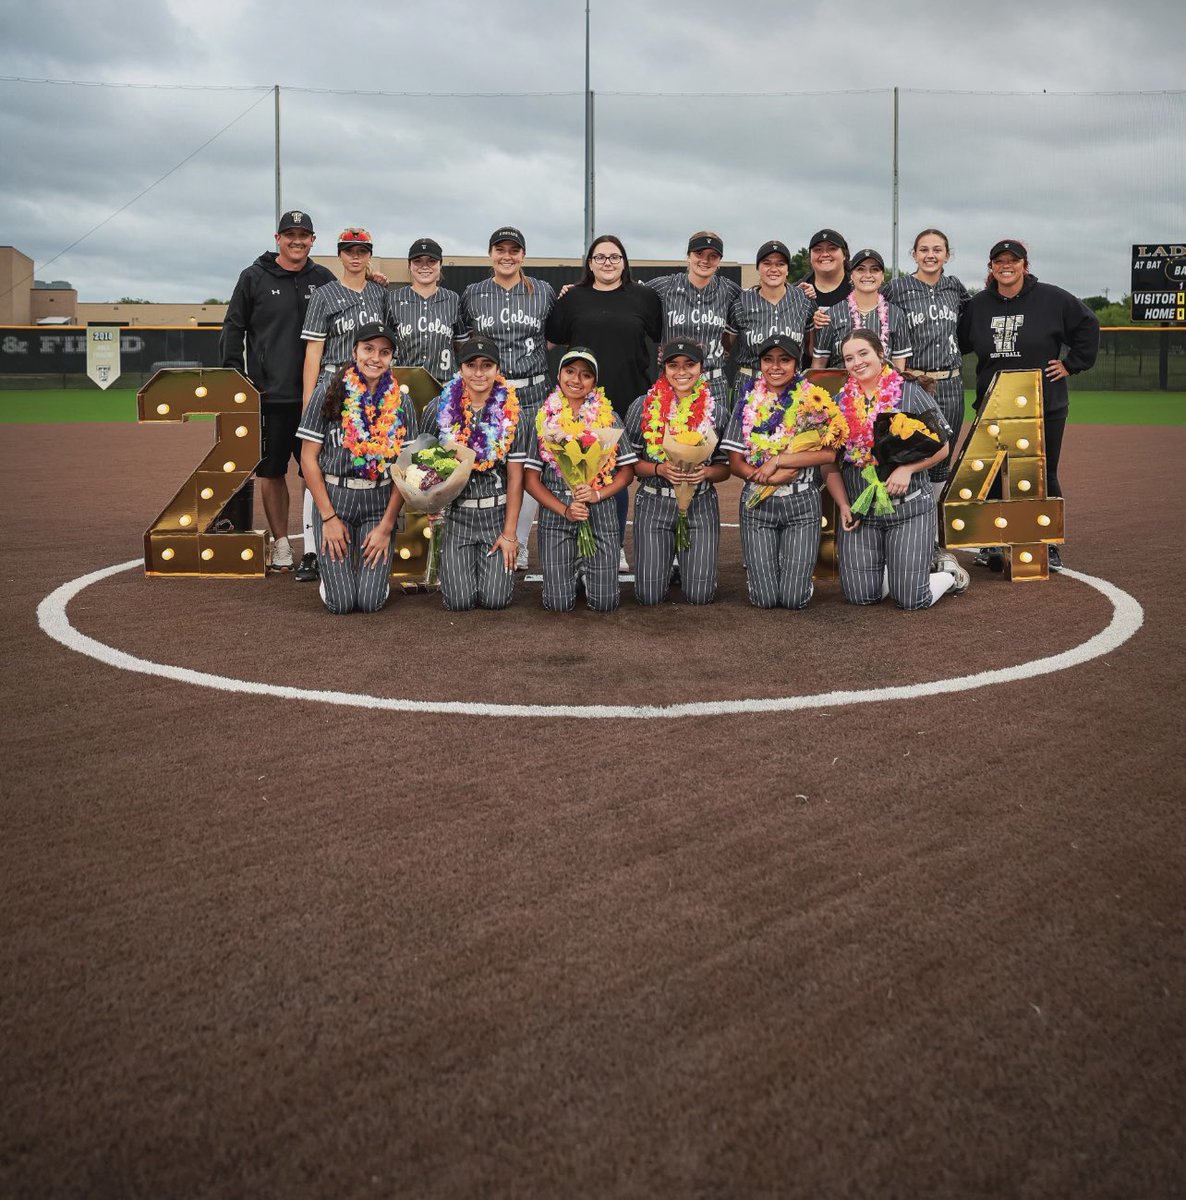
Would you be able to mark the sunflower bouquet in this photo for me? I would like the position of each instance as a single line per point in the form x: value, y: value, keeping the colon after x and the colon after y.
x: 898, y: 440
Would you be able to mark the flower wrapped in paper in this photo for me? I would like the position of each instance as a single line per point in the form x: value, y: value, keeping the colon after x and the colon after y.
x: 899, y: 439
x: 430, y: 475
x: 812, y: 421
x: 587, y: 457
x: 686, y: 450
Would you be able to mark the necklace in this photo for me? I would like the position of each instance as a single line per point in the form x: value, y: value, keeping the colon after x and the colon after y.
x: 372, y: 431
x: 860, y: 413
x: 858, y: 317
x: 662, y: 411
x: 556, y: 422
x: 488, y: 433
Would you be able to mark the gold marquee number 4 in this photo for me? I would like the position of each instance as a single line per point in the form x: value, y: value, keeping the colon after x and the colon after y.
x: 1006, y: 442
x: 182, y: 541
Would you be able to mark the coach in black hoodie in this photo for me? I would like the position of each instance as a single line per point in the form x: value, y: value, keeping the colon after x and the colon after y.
x: 261, y: 336
x: 1018, y: 324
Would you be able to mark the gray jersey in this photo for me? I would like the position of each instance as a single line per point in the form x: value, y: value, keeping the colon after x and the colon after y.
x: 734, y: 438
x: 335, y: 312
x: 334, y: 459
x: 933, y: 314
x: 828, y: 339
x: 756, y: 319
x: 514, y: 318
x: 492, y: 481
x: 427, y: 327
x: 701, y: 314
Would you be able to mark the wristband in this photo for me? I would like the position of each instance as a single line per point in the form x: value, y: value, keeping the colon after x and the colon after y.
x: 332, y: 517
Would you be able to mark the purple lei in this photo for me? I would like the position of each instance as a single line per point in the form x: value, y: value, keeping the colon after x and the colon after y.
x: 778, y: 410
x: 486, y: 428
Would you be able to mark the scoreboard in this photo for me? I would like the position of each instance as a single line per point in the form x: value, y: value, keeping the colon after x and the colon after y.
x: 1159, y: 283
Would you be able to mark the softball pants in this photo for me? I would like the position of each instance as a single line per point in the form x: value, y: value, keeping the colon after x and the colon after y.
x: 472, y: 577
x: 348, y: 584
x: 949, y: 396
x: 530, y: 398
x: 901, y: 545
x: 780, y: 539
x: 655, y: 515
x: 559, y: 559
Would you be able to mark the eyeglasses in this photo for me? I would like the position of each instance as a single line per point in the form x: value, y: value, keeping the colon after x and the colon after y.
x: 602, y: 259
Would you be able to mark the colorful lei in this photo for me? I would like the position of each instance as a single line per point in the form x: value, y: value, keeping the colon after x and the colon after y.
x: 860, y: 414
x: 858, y: 318
x: 663, y: 411
x: 555, y: 423
x: 372, y: 432
x: 769, y: 422
x: 490, y: 435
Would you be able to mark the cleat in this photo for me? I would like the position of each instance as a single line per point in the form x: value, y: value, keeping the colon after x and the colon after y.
x: 521, y: 560
x: 1055, y: 558
x: 281, y: 555
x: 623, y: 565
x: 308, y: 571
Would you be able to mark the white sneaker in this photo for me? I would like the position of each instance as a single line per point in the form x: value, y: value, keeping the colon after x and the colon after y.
x: 623, y: 565
x: 281, y: 555
x: 521, y: 560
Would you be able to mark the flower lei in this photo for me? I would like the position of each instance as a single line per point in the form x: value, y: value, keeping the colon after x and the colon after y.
x: 663, y: 410
x: 858, y: 318
x: 490, y: 435
x: 556, y: 423
x: 768, y: 421
x: 860, y: 414
x: 372, y: 432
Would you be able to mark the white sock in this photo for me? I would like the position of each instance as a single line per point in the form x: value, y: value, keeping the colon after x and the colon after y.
x: 941, y: 583
x: 307, y: 517
x: 526, y: 517
x: 885, y: 583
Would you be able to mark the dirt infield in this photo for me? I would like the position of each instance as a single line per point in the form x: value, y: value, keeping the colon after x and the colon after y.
x: 269, y: 947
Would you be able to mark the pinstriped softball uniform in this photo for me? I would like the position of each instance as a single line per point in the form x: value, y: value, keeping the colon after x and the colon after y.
x: 933, y: 313
x: 558, y: 539
x: 780, y: 537
x: 701, y: 314
x: 427, y: 328
x: 349, y: 584
x: 335, y: 312
x: 655, y: 516
x: 903, y: 543
x: 472, y: 577
x: 514, y: 319
x: 756, y: 320
x: 829, y: 338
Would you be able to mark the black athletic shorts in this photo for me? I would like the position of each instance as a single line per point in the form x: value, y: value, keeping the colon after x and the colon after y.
x: 279, y: 424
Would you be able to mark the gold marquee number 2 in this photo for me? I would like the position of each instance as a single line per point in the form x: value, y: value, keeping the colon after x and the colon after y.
x: 182, y: 541
x: 1006, y: 441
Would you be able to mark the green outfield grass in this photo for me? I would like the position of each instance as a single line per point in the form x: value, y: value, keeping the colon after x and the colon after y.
x: 73, y: 404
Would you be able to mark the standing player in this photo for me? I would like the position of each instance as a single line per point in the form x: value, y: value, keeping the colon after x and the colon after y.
x: 933, y: 301
x: 478, y: 408
x: 891, y: 554
x: 865, y: 308
x: 354, y: 425
x: 511, y: 309
x: 828, y: 281
x: 337, y: 310
x: 696, y: 305
x: 261, y: 336
x: 771, y: 309
x: 681, y: 401
x: 426, y: 316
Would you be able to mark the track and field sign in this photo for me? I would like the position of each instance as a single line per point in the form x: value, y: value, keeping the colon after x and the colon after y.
x: 1159, y: 282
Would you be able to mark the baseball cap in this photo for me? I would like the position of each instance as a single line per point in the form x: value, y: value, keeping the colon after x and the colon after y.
x: 861, y: 255
x: 508, y: 233
x: 477, y: 347
x: 425, y: 247
x: 781, y: 341
x: 295, y: 219
x: 580, y: 354
x: 352, y: 235
x: 372, y: 330
x: 827, y: 235
x: 706, y: 241
x: 678, y: 346
x: 775, y: 247
x: 1008, y: 246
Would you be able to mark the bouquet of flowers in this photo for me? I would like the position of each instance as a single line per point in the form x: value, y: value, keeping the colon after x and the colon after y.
x: 580, y: 458
x: 898, y: 439
x: 686, y: 450
x: 812, y: 421
x: 430, y: 474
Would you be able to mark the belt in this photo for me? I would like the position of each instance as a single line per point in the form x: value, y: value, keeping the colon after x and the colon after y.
x: 328, y: 368
x: 715, y: 373
x: 748, y: 371
x: 786, y: 489
x: 655, y: 489
x: 518, y: 383
x: 485, y: 502
x: 354, y: 484
x: 908, y: 496
x: 933, y: 374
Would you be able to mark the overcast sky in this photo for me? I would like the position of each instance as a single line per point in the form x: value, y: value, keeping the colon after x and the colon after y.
x: 1079, y: 177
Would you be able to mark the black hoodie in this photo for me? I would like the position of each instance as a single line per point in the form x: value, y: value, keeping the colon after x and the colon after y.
x: 1030, y: 329
x: 268, y: 306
